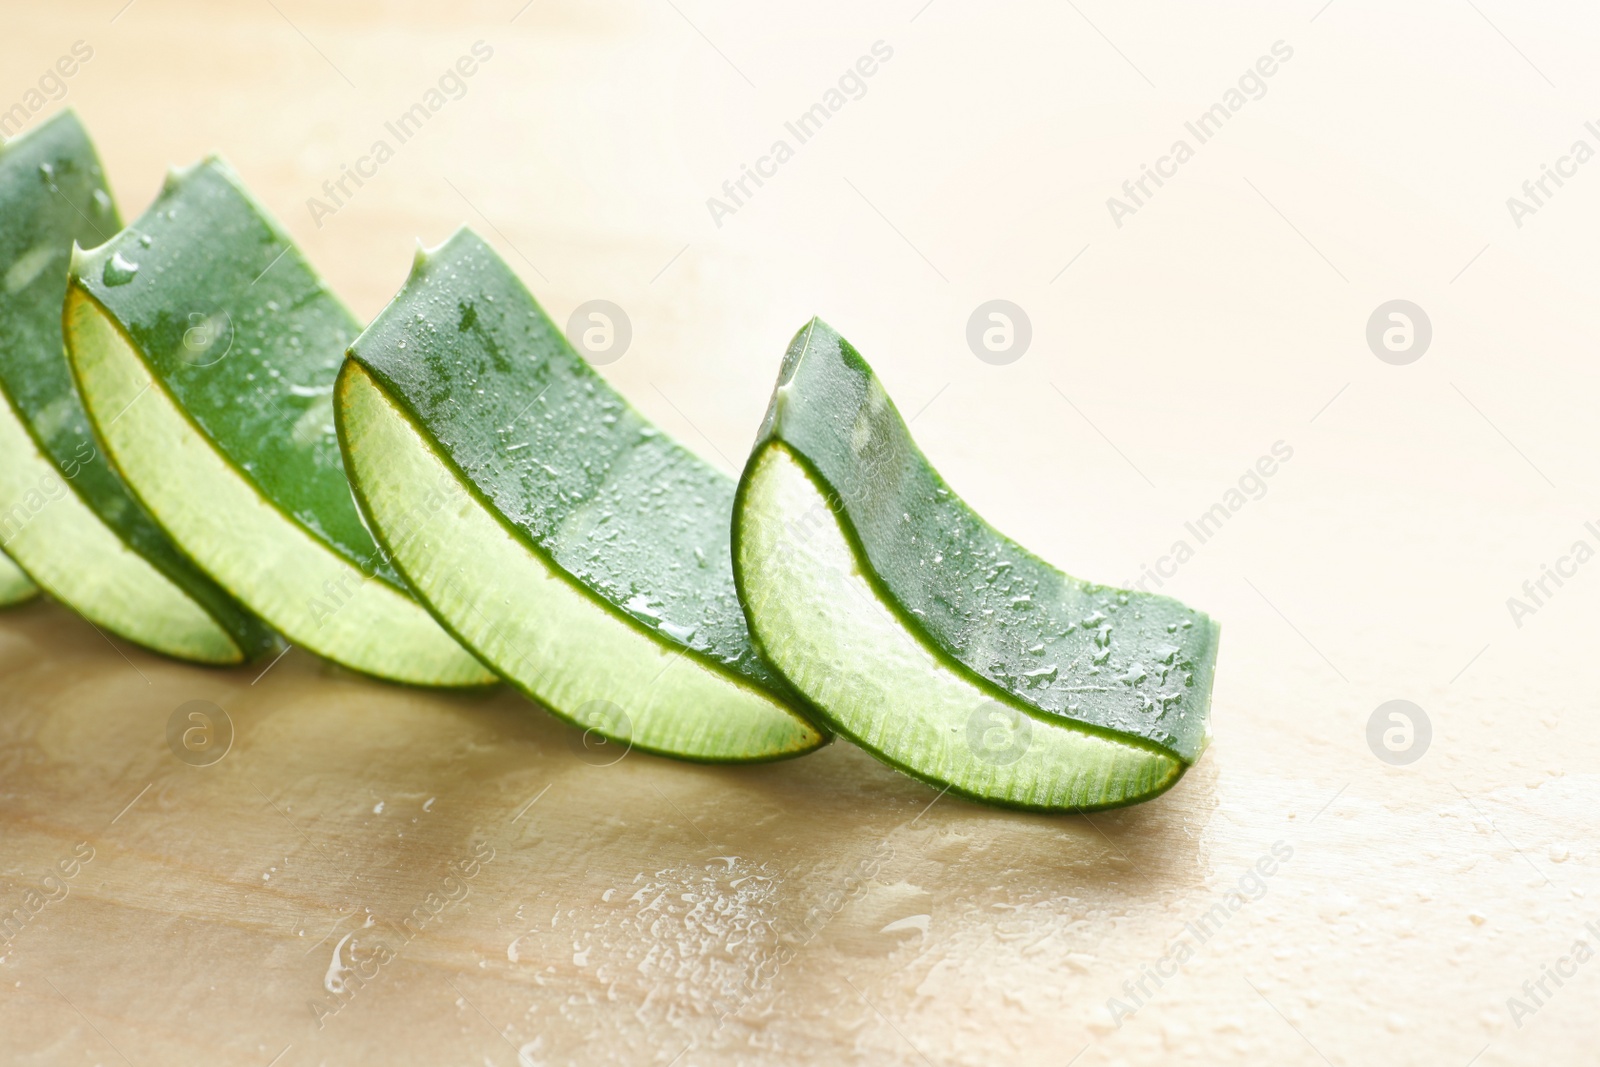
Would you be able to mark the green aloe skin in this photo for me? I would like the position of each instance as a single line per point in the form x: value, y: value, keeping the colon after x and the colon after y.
x: 200, y: 441
x: 938, y: 644
x: 65, y: 517
x: 569, y: 543
x: 206, y: 348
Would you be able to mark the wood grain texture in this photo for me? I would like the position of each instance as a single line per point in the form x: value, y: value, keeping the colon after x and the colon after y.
x: 307, y: 899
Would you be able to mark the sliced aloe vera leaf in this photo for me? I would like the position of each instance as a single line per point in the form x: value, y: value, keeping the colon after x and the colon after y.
x: 933, y: 641
x: 206, y: 347
x: 570, y: 544
x: 14, y: 585
x: 65, y: 517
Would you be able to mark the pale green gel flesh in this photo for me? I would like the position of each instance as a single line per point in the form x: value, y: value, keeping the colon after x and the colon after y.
x: 14, y: 585
x: 531, y: 623
x: 820, y: 622
x: 313, y: 596
x: 67, y: 549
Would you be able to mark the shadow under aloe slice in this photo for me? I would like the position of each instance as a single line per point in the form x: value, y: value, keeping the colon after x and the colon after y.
x: 565, y: 540
x: 66, y: 518
x: 942, y: 647
x: 206, y: 347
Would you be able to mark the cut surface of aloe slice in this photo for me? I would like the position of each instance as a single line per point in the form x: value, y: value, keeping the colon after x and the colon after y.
x: 65, y: 517
x: 933, y: 641
x: 14, y: 585
x: 574, y: 547
x: 206, y: 347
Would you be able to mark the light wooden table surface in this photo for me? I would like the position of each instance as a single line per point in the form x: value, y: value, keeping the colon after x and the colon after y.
x: 827, y: 910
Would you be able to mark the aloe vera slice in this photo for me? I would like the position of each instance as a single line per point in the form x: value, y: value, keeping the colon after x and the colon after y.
x: 936, y: 643
x: 14, y: 585
x: 206, y: 348
x: 65, y: 517
x: 570, y: 544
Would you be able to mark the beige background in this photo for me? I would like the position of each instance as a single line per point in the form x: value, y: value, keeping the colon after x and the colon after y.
x: 630, y: 908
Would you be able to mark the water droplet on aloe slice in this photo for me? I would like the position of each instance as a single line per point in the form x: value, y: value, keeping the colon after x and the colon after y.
x: 210, y: 381
x: 65, y: 516
x: 577, y: 550
x: 936, y: 643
